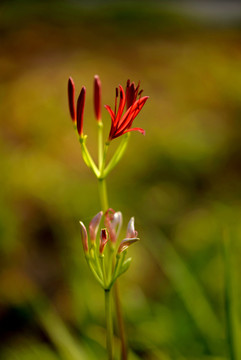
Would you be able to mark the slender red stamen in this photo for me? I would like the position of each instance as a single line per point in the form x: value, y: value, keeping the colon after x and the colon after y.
x: 97, y: 97
x: 116, y: 97
x: 80, y: 110
x: 71, y: 96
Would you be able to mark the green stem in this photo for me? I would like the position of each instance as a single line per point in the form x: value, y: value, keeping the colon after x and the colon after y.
x: 103, y: 269
x: 120, y: 320
x: 100, y: 143
x: 92, y: 267
x: 88, y: 159
x: 109, y: 328
x: 117, y: 155
x: 103, y: 194
x: 105, y: 206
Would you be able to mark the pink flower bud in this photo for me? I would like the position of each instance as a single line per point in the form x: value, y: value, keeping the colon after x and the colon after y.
x: 97, y: 97
x: 125, y: 244
x: 103, y: 240
x: 80, y: 110
x: 117, y: 222
x: 113, y: 222
x: 84, y: 237
x: 131, y: 232
x: 71, y: 96
x: 94, y: 226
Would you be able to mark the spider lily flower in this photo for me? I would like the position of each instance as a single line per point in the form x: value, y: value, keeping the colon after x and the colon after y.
x: 77, y: 115
x: 103, y: 240
x: 121, y: 122
x: 113, y: 223
x: 94, y: 226
x: 97, y: 97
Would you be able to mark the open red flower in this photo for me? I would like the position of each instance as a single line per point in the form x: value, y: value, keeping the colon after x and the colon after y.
x: 121, y: 123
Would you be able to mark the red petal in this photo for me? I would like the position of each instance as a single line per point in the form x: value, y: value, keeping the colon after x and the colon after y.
x: 121, y: 104
x: 131, y: 113
x: 142, y: 131
x: 111, y: 112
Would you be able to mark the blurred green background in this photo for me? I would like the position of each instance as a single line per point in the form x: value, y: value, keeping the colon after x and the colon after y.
x: 182, y: 181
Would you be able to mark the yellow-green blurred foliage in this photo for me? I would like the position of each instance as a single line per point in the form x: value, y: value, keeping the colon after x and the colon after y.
x: 182, y: 181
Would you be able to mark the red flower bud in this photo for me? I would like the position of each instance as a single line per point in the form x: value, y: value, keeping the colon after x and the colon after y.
x: 80, y: 110
x: 103, y: 240
x: 97, y: 97
x: 71, y: 96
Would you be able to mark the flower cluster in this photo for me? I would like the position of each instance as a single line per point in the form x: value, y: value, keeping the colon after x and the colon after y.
x: 121, y: 121
x: 99, y: 259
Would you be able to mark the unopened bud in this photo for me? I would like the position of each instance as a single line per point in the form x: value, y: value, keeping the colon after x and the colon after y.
x: 94, y: 226
x: 117, y: 223
x: 71, y: 98
x: 97, y: 97
x: 125, y: 244
x: 131, y: 232
x: 109, y: 216
x: 80, y: 110
x: 84, y: 237
x: 103, y: 240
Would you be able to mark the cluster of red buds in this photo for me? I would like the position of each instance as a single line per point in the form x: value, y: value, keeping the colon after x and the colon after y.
x: 100, y: 260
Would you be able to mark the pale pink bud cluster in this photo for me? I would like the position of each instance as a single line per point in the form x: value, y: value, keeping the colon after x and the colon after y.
x: 113, y: 223
x: 95, y: 251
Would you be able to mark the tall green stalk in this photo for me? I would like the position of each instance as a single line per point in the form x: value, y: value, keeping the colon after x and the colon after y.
x: 103, y: 194
x: 109, y: 325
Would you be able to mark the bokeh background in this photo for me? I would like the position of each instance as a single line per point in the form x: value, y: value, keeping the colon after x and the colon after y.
x: 182, y: 181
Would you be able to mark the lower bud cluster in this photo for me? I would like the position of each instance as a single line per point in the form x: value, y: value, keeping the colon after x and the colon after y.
x: 107, y: 263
